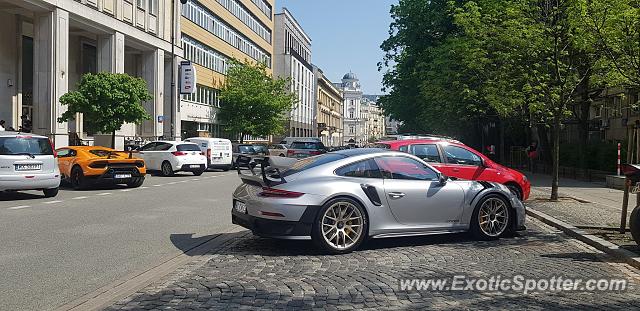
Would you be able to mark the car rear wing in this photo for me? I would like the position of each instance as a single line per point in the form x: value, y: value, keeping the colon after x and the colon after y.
x: 129, y: 152
x: 269, y: 170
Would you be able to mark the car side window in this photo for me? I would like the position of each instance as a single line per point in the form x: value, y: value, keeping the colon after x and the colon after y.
x: 403, y: 148
x: 405, y: 169
x: 64, y: 153
x: 361, y: 169
x: 459, y: 155
x: 149, y: 147
x: 163, y: 147
x: 427, y: 152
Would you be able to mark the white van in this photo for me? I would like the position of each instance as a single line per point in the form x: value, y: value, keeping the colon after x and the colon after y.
x: 217, y: 150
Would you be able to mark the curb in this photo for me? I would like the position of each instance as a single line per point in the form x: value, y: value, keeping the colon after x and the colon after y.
x: 613, y: 250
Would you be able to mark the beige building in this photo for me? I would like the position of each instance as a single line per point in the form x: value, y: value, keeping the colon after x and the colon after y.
x: 328, y: 107
x: 374, y: 120
x: 47, y: 45
x: 213, y: 32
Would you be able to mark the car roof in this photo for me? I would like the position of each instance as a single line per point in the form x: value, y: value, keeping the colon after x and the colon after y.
x: 361, y: 151
x: 87, y: 147
x: 12, y: 133
x: 419, y: 141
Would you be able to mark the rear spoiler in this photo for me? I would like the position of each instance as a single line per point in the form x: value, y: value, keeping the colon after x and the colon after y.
x: 130, y: 152
x: 270, y: 169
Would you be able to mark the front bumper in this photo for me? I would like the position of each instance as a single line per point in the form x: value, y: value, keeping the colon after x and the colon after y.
x: 277, y: 228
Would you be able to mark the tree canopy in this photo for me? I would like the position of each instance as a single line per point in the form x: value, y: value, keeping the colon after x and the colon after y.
x: 253, y: 102
x: 107, y: 101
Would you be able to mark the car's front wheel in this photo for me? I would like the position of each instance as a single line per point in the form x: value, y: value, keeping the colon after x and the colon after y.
x: 491, y: 218
x: 77, y: 179
x: 50, y: 193
x: 341, y: 226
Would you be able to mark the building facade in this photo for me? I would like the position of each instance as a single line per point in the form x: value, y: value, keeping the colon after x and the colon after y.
x: 47, y: 45
x: 328, y: 108
x: 354, y: 130
x: 374, y: 120
x: 213, y: 32
x: 292, y: 59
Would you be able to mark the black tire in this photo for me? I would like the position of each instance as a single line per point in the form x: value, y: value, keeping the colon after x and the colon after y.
x: 515, y: 189
x: 166, y: 169
x: 282, y: 155
x: 77, y: 179
x: 50, y: 193
x: 634, y: 224
x: 317, y: 234
x: 227, y: 168
x: 136, y: 182
x: 198, y: 172
x: 475, y: 227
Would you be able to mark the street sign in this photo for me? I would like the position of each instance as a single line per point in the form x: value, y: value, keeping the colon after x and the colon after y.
x: 160, y: 119
x: 187, y: 78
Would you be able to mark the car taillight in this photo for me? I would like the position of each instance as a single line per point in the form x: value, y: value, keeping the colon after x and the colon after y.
x: 278, y: 193
x: 179, y: 153
x: 55, y: 153
x: 98, y: 164
x: 315, y: 152
x: 290, y: 152
x: 208, y: 153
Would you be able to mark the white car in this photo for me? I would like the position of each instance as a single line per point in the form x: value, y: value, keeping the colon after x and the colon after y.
x: 278, y: 150
x: 28, y: 162
x: 168, y: 157
x: 218, y: 151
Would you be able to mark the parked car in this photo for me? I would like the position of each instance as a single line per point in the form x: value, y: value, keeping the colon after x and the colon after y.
x: 168, y: 157
x: 278, y: 150
x: 341, y: 198
x: 217, y: 150
x: 28, y: 162
x: 82, y: 166
x: 261, y: 150
x: 289, y: 140
x: 455, y: 159
x: 242, y: 149
x: 305, y: 148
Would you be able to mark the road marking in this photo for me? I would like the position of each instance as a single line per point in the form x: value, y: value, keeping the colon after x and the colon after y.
x: 80, y: 198
x: 172, y: 183
x: 51, y: 202
x: 160, y: 185
x: 19, y: 207
x: 143, y: 188
x: 104, y: 193
x: 126, y: 190
x: 183, y: 181
x: 195, y: 179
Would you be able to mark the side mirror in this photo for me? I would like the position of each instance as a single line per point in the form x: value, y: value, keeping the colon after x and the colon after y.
x: 442, y: 179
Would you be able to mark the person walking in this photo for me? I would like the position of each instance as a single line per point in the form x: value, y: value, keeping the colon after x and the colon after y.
x: 532, y: 154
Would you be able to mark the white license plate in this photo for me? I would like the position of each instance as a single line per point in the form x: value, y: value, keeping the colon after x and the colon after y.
x: 240, y: 207
x: 194, y: 166
x: 28, y: 167
x: 123, y: 176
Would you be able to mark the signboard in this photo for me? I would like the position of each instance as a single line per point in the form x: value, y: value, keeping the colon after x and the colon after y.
x: 160, y: 119
x: 187, y: 78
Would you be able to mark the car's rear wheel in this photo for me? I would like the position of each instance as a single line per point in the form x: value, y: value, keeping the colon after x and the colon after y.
x: 491, y: 218
x: 50, y: 193
x: 198, y: 172
x: 77, y: 179
x: 341, y: 226
x: 227, y: 168
x: 136, y: 182
x: 166, y: 169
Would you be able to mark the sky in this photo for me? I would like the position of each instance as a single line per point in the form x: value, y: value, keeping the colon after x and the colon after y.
x: 346, y: 36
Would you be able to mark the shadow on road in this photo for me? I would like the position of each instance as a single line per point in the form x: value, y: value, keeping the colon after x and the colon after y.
x: 19, y: 196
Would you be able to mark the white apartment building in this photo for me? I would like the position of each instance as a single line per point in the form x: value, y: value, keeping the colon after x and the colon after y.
x: 354, y: 123
x: 47, y: 45
x: 292, y: 59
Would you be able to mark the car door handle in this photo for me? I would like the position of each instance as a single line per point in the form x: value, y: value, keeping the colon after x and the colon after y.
x: 456, y: 169
x: 396, y: 195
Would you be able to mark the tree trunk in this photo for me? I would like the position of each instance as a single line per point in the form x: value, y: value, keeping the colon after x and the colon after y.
x: 555, y: 155
x: 113, y: 139
x: 502, y: 151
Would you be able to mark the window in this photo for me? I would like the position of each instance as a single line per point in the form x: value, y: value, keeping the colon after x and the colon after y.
x: 405, y: 169
x: 204, y: 55
x: 163, y: 147
x: 350, y: 114
x: 362, y: 169
x: 63, y: 153
x: 25, y: 145
x: 188, y: 147
x: 307, y: 145
x: 312, y: 162
x: 149, y: 147
x: 427, y: 153
x: 141, y: 4
x: 352, y: 129
x: 459, y: 155
x: 404, y: 149
x: 153, y: 7
x: 239, y: 11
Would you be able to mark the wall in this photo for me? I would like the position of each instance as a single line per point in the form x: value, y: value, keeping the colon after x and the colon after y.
x: 8, y: 68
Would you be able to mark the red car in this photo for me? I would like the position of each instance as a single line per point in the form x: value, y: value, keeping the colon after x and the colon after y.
x: 455, y: 159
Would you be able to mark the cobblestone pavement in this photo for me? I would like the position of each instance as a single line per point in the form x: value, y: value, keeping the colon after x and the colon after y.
x: 254, y: 273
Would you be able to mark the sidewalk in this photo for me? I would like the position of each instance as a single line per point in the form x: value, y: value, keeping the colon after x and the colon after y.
x: 600, y: 206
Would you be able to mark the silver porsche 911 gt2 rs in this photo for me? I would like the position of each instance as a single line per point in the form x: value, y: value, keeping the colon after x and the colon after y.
x: 340, y: 198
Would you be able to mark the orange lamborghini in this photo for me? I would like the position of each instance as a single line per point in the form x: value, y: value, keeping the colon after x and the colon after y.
x: 82, y: 166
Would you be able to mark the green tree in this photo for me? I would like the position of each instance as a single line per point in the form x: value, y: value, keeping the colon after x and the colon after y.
x: 107, y: 101
x: 254, y: 103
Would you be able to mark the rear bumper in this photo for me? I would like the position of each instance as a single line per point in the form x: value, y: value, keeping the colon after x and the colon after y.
x: 188, y: 168
x: 29, y: 182
x: 278, y: 228
x: 109, y: 175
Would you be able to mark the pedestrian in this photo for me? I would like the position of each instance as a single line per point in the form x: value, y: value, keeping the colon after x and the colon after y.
x: 2, y: 125
x: 532, y: 155
x: 26, y: 124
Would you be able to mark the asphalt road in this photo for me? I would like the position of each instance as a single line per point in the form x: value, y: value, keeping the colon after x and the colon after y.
x: 55, y: 250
